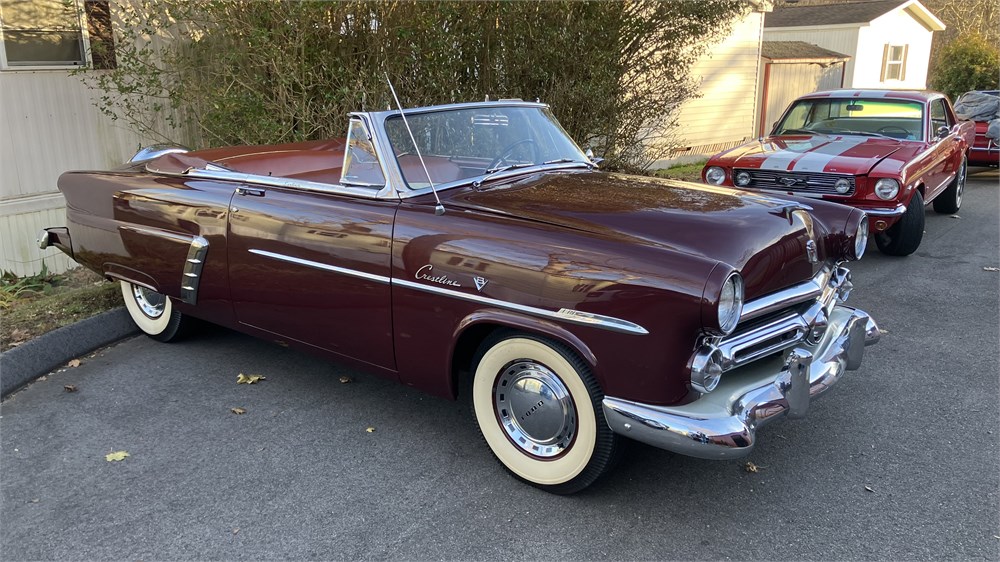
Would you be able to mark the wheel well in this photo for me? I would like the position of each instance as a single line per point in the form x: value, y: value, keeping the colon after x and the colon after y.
x: 465, y: 349
x: 920, y: 188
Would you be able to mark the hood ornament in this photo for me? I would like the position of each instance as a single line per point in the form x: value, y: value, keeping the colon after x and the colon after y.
x: 811, y: 251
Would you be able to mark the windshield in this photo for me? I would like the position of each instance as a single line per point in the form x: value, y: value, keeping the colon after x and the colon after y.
x: 898, y: 119
x: 464, y: 144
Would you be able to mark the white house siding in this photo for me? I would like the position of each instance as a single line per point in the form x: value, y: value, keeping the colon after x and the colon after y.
x: 896, y: 28
x: 838, y: 38
x: 724, y: 114
x: 48, y: 124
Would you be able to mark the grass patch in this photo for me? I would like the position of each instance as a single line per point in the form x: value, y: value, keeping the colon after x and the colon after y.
x: 32, y: 306
x: 685, y: 172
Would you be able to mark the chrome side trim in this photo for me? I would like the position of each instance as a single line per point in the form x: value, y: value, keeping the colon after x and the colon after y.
x: 325, y: 267
x: 563, y: 314
x: 271, y: 181
x: 193, y: 264
x: 723, y: 424
x: 192, y: 269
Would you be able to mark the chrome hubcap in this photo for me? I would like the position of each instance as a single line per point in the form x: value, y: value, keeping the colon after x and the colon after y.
x: 961, y: 182
x: 150, y: 302
x: 535, y: 409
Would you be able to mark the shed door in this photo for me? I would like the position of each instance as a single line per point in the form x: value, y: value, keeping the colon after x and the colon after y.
x: 786, y: 82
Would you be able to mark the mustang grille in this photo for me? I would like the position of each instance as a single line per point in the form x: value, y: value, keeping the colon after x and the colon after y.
x: 804, y: 182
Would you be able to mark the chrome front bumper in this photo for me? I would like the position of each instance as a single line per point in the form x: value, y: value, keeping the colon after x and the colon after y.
x: 723, y: 423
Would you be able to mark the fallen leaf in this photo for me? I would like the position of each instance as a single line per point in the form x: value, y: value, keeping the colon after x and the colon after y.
x: 236, y: 530
x: 249, y: 379
x: 70, y: 387
x: 991, y: 268
x: 869, y: 488
x: 883, y: 331
x: 116, y: 456
x: 73, y: 363
x: 370, y: 430
x: 751, y: 467
x: 345, y: 379
x: 955, y: 217
x: 238, y: 411
x: 33, y: 500
x: 15, y: 343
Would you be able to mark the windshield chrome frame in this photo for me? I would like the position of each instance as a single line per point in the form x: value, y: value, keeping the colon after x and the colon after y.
x: 394, y: 177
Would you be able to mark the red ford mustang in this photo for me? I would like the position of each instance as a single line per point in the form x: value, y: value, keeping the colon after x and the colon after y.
x: 886, y: 152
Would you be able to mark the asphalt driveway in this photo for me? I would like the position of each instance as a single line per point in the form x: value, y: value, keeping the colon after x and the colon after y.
x: 899, y: 461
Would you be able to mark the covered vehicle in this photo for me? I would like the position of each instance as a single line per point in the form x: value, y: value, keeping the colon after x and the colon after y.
x: 886, y: 152
x: 983, y: 107
x: 474, y: 251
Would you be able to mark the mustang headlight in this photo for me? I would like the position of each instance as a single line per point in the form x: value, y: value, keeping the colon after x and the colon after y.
x: 886, y: 188
x: 842, y: 186
x: 715, y: 175
x: 742, y: 178
x: 731, y: 303
x: 861, y: 238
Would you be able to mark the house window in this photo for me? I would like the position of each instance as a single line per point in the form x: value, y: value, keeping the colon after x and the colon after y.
x: 55, y: 34
x: 894, y: 62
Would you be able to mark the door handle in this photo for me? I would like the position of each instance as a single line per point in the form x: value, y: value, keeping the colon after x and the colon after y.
x: 253, y: 192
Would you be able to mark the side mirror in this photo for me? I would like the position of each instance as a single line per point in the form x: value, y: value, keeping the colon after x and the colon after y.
x: 590, y: 156
x: 943, y: 131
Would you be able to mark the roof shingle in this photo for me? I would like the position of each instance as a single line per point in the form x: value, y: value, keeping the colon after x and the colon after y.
x: 829, y: 14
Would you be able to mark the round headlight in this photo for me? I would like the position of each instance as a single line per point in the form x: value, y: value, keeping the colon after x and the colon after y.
x: 886, y: 188
x: 842, y: 186
x: 861, y: 238
x: 741, y: 178
x: 715, y: 175
x: 731, y: 303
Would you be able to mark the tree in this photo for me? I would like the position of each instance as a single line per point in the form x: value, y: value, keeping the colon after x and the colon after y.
x: 967, y: 63
x: 260, y: 72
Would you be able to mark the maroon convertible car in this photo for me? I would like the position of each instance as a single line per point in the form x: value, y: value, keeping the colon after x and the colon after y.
x: 475, y: 251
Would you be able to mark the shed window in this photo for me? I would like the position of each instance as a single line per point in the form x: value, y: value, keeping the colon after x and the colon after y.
x: 894, y: 62
x: 55, y: 34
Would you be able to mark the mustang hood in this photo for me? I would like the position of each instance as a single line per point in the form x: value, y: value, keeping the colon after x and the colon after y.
x: 758, y: 235
x: 853, y: 155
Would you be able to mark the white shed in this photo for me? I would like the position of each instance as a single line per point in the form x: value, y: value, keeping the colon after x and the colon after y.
x: 728, y: 76
x: 792, y: 69
x: 889, y: 41
x: 47, y: 119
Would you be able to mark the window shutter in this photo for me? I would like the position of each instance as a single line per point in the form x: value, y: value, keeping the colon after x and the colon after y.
x: 885, y: 62
x: 902, y: 68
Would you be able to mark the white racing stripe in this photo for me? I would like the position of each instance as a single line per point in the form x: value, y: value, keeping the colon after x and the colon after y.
x: 781, y: 158
x: 816, y: 160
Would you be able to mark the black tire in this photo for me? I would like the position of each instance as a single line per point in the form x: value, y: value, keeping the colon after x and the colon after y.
x: 568, y: 445
x: 153, y: 313
x: 903, y: 238
x: 950, y: 201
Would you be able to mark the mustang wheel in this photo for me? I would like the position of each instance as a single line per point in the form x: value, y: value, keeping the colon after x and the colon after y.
x: 539, y: 409
x: 903, y: 238
x: 152, y: 312
x: 951, y: 199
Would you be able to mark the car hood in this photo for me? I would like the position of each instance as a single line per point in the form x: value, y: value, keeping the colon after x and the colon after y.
x: 833, y: 154
x: 757, y: 235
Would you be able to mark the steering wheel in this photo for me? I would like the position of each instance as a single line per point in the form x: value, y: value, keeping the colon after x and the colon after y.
x: 895, y: 128
x: 509, y: 149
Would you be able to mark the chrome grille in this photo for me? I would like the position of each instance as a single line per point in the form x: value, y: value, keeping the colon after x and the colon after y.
x: 803, y: 182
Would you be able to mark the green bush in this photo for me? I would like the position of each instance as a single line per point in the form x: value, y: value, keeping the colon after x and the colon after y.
x: 967, y: 63
x: 261, y: 72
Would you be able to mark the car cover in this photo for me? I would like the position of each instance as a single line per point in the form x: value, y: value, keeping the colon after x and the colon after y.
x: 978, y: 106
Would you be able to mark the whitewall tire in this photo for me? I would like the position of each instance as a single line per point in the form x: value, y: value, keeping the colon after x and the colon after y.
x: 152, y: 312
x: 538, y: 407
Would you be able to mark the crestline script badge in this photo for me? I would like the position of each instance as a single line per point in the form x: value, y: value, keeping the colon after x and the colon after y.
x: 427, y: 274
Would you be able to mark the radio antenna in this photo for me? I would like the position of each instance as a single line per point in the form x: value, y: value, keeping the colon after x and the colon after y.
x: 439, y: 208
